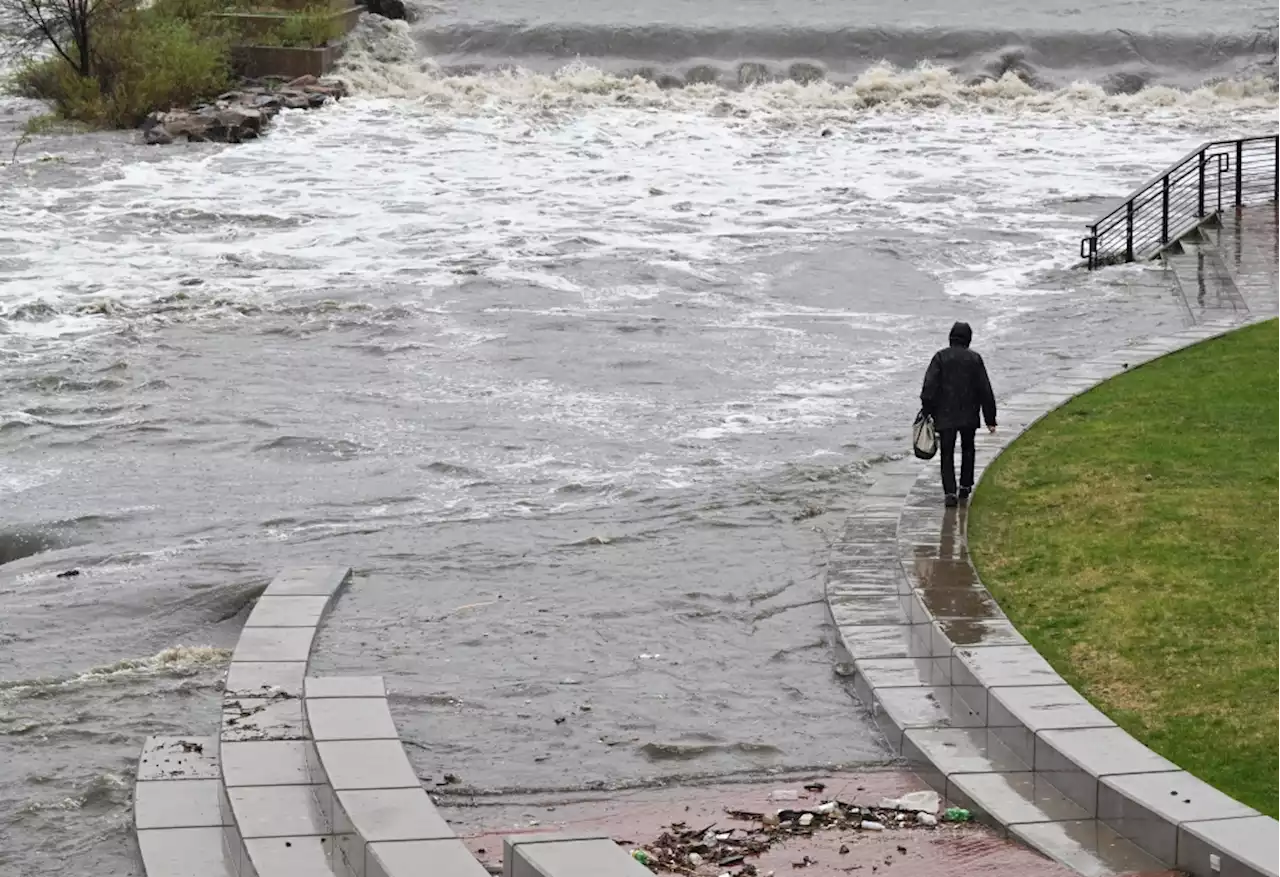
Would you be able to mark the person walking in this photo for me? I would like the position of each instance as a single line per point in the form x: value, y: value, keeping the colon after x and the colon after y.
x: 956, y: 390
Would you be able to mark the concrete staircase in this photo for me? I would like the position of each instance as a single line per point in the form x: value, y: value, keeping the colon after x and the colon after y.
x: 308, y: 776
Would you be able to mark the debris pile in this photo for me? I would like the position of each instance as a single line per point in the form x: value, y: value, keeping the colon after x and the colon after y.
x: 721, y: 850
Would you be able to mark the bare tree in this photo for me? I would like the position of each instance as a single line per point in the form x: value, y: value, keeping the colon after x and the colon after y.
x: 67, y: 26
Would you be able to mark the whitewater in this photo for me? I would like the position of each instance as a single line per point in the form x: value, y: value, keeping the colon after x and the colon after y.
x: 575, y: 331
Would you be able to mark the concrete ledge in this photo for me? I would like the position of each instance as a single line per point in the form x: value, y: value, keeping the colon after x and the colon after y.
x: 178, y: 812
x: 383, y: 823
x: 983, y: 718
x: 567, y: 855
x: 275, y: 804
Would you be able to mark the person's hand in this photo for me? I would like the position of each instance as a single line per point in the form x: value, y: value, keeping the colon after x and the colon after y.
x: 991, y: 429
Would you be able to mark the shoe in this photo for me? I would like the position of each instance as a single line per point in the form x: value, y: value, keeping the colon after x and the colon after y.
x: 964, y: 495
x: 952, y: 502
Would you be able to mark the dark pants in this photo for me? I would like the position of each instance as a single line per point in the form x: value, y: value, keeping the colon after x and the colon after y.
x: 947, y: 448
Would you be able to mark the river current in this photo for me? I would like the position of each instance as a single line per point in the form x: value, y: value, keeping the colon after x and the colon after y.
x: 575, y: 355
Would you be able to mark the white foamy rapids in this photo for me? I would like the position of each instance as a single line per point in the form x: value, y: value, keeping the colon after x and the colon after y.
x: 173, y: 661
x: 383, y: 60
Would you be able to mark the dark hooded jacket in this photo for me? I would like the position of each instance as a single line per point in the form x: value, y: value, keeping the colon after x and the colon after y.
x: 956, y: 387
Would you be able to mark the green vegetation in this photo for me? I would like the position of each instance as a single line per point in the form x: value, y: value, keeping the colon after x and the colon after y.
x: 119, y: 60
x: 1131, y: 537
x: 304, y: 30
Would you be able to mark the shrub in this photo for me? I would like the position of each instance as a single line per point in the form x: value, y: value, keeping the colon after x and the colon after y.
x: 307, y: 29
x: 169, y: 54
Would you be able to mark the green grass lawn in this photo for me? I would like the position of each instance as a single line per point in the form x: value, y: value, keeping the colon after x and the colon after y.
x: 1131, y: 536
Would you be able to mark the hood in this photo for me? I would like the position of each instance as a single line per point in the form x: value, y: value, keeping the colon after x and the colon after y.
x: 961, y: 334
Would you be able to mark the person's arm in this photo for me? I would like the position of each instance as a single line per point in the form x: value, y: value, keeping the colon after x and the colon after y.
x: 932, y: 383
x: 986, y: 395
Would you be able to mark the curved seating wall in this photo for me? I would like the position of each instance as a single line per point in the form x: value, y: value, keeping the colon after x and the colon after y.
x: 981, y: 715
x: 307, y: 776
x: 383, y: 823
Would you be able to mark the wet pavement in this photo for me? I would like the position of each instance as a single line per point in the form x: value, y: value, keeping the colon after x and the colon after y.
x: 636, y: 818
x: 960, y: 694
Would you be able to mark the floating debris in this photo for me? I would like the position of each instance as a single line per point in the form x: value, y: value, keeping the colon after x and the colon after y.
x: 682, y: 849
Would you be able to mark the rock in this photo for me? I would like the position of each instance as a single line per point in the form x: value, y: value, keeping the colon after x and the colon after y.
x: 303, y: 81
x: 157, y: 136
x: 784, y: 795
x: 392, y: 9
x: 296, y: 102
x: 694, y: 860
x: 926, y: 819
x: 806, y: 820
x: 193, y: 126
x: 235, y: 125
x: 317, y: 99
x: 826, y: 808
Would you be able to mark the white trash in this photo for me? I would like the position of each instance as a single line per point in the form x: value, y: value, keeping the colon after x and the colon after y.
x: 926, y: 819
x: 806, y: 820
x: 826, y: 808
x: 868, y: 825
x: 784, y: 795
x: 917, y: 802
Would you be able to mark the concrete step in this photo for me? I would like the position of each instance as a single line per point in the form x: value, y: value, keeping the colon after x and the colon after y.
x: 1207, y: 288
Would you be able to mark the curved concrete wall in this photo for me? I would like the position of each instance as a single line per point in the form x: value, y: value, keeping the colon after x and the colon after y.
x: 308, y: 777
x: 981, y: 715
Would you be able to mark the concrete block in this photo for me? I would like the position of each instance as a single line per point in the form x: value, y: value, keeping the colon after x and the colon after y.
x: 178, y: 804
x: 287, y: 857
x: 256, y: 718
x: 1087, y: 846
x: 1148, y: 807
x: 354, y: 718
x: 311, y: 581
x: 424, y: 858
x: 366, y: 764
x: 1007, y: 799
x: 287, y: 612
x: 179, y: 758
x: 1074, y: 759
x: 185, y: 852
x: 257, y: 679
x: 272, y: 644
x: 567, y: 856
x: 278, y: 811
x: 269, y: 763
x: 1247, y: 846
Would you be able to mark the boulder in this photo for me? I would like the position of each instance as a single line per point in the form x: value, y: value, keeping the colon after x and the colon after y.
x: 192, y: 126
x: 235, y: 125
x: 157, y: 136
x: 393, y: 9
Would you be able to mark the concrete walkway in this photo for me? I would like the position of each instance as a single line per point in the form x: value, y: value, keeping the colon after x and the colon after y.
x: 971, y: 705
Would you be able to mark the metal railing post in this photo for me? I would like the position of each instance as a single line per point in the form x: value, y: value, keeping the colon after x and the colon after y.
x: 1128, y: 231
x: 1200, y: 196
x: 1275, y: 176
x: 1164, y: 211
x: 1239, y: 172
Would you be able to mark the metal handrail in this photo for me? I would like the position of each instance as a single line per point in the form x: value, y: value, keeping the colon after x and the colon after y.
x: 1176, y: 200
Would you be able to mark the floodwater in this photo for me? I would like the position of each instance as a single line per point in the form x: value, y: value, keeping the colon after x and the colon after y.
x: 578, y: 370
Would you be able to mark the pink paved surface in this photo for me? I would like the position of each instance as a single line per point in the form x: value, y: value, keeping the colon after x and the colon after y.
x: 639, y: 816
